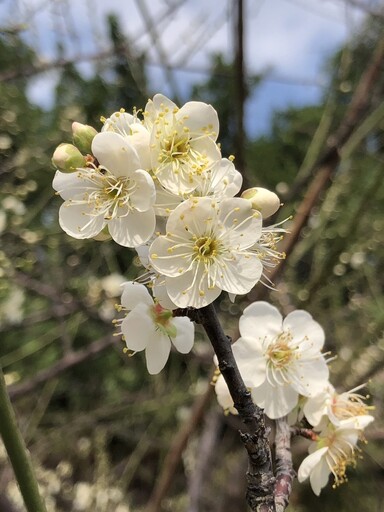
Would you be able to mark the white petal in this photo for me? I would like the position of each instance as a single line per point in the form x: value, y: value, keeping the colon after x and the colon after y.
x: 69, y: 185
x: 144, y: 194
x: 114, y: 152
x: 138, y: 328
x: 159, y: 291
x: 201, y: 118
x: 78, y: 221
x: 157, y: 353
x: 260, y: 319
x: 309, y: 463
x: 319, y: 476
x: 277, y: 401
x: 222, y: 180
x: 199, y: 214
x: 241, y: 275
x: 309, y: 377
x: 140, y: 140
x: 166, y: 202
x: 134, y: 229
x: 185, y: 334
x: 161, y: 102
x: 119, y: 122
x: 185, y: 294
x: 169, y: 259
x: 243, y: 225
x: 134, y: 294
x: 301, y: 325
x: 356, y: 422
x: 315, y: 408
x: 250, y: 360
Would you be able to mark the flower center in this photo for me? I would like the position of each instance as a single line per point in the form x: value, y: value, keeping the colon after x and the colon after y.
x: 280, y: 354
x: 112, y: 196
x: 206, y: 248
x: 175, y: 147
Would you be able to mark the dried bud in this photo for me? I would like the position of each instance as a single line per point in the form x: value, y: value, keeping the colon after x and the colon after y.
x: 83, y: 135
x: 263, y: 200
x: 67, y: 158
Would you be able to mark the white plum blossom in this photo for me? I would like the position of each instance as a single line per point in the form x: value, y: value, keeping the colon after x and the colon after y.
x: 206, y: 250
x: 150, y: 327
x: 334, y: 450
x: 182, y: 142
x: 116, y: 193
x: 335, y: 407
x: 280, y: 359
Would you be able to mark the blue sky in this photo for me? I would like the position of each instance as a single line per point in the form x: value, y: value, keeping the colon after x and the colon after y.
x: 291, y: 39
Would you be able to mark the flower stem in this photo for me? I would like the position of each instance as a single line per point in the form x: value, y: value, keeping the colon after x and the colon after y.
x: 18, y: 453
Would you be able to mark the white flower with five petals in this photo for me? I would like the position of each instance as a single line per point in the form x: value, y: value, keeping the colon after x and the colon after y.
x: 205, y: 250
x: 116, y: 193
x: 280, y: 359
x: 150, y: 327
x: 182, y: 143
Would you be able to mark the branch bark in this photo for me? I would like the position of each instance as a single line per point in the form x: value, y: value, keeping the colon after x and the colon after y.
x: 260, y: 478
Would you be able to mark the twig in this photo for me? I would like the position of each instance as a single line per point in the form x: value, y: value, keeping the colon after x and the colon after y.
x: 284, y: 469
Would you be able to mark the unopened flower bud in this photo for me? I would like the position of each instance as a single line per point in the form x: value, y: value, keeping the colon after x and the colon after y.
x: 67, y: 158
x: 263, y: 200
x: 83, y: 135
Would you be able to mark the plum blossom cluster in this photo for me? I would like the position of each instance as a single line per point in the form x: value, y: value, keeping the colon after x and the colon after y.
x: 286, y: 373
x: 155, y: 181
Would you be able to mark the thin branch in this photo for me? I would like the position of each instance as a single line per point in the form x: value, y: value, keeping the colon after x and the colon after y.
x: 284, y: 468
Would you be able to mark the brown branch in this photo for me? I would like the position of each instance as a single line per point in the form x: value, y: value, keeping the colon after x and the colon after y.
x: 179, y: 443
x: 68, y: 361
x: 260, y: 478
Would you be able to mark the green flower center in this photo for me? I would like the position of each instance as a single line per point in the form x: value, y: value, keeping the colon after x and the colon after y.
x: 280, y: 354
